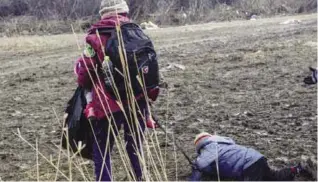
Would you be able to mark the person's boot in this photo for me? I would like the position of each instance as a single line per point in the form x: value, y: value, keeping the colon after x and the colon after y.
x: 310, y: 166
x: 307, y: 167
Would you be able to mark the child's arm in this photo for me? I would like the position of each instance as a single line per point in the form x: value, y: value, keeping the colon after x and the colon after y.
x: 196, y: 175
x: 84, y: 70
x: 203, y: 162
x: 207, y: 156
x: 86, y: 65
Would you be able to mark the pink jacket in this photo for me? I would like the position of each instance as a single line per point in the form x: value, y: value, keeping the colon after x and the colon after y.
x: 102, y: 101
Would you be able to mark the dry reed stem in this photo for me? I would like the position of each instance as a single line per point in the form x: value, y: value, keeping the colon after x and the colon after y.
x: 37, y: 160
x: 217, y: 161
x: 175, y: 157
x: 78, y: 166
x: 18, y: 134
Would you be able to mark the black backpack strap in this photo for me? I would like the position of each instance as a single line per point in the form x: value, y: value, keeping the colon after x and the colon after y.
x: 102, y: 31
x: 130, y: 25
x: 106, y: 30
x: 113, y: 32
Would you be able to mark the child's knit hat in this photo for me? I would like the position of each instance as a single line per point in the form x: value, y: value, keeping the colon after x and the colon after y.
x: 113, y: 6
x: 201, y: 139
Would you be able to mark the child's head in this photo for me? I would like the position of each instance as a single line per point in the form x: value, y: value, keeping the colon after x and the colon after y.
x: 109, y: 7
x: 200, y: 140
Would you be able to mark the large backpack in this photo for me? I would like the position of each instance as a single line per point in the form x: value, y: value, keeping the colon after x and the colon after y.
x: 141, y: 59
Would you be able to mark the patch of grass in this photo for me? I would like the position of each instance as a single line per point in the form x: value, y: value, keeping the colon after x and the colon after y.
x: 36, y: 43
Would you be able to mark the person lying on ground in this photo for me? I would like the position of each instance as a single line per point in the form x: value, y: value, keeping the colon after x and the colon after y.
x: 312, y: 79
x: 222, y: 157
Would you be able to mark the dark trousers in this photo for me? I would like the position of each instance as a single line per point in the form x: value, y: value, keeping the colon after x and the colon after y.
x: 260, y: 171
x: 133, y: 135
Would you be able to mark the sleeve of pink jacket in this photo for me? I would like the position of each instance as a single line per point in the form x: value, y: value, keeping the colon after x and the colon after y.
x: 84, y: 71
x: 86, y: 65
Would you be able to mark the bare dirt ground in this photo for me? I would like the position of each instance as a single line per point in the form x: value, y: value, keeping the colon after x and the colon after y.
x: 242, y: 79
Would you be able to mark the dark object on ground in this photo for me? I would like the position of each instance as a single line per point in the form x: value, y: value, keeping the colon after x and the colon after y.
x: 310, y: 80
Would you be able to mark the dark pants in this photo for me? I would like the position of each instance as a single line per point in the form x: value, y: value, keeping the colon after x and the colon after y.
x: 133, y: 135
x: 260, y: 171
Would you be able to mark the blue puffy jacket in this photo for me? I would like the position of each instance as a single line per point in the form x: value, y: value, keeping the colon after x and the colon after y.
x: 232, y: 159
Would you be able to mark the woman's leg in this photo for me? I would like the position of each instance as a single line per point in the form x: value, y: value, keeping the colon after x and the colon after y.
x: 284, y: 174
x: 103, y: 147
x: 260, y: 171
x: 257, y: 171
x: 134, y: 134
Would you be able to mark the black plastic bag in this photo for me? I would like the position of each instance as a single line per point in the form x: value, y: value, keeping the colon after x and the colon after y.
x: 79, y: 129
